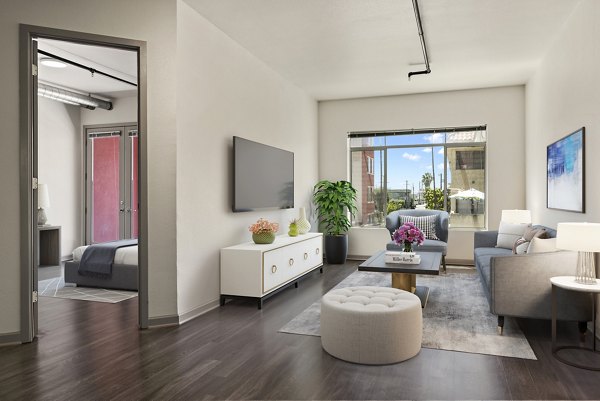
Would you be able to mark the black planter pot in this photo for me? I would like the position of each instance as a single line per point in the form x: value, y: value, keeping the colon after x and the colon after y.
x: 336, y: 248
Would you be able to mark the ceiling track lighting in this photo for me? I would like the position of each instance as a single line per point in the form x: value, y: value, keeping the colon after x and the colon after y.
x: 72, y: 98
x: 83, y: 67
x: 427, y: 70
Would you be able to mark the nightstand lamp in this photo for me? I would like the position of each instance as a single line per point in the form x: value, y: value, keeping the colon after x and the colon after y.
x: 43, y: 204
x: 585, y: 239
x: 516, y: 216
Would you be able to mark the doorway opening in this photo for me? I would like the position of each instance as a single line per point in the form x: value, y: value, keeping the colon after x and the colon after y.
x: 83, y: 174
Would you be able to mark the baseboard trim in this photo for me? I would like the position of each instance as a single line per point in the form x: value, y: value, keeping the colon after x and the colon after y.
x: 10, y: 338
x: 159, y: 321
x: 357, y: 257
x: 194, y: 313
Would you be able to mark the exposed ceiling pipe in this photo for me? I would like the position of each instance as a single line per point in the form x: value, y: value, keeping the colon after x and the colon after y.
x: 73, y: 98
x: 427, y: 70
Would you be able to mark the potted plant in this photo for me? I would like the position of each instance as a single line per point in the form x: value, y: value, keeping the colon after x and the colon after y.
x: 263, y: 231
x: 334, y: 200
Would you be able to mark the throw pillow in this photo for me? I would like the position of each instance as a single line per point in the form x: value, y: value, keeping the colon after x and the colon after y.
x: 521, y: 245
x: 508, y: 233
x: 539, y: 245
x: 423, y: 223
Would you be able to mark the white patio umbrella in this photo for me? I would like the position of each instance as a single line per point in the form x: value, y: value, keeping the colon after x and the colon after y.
x: 469, y: 193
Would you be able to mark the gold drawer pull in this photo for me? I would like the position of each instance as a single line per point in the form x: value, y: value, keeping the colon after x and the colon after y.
x: 305, y: 255
x: 273, y: 269
x: 317, y: 251
x: 291, y: 262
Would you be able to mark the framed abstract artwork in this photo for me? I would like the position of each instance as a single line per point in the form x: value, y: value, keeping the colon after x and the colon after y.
x: 566, y: 173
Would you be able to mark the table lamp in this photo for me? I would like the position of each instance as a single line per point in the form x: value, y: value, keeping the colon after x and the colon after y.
x: 516, y: 216
x: 43, y: 204
x: 585, y: 239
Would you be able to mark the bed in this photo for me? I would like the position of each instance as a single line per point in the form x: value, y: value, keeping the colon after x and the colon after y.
x: 124, y: 271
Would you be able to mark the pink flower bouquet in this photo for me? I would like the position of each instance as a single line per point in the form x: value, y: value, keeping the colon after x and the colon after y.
x: 408, y: 234
x: 263, y: 226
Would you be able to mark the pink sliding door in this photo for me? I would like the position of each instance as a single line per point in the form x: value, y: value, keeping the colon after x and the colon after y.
x: 112, y: 201
x: 105, y: 188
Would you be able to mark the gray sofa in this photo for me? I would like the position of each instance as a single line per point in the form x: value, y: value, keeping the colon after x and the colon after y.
x: 392, y: 222
x: 519, y: 285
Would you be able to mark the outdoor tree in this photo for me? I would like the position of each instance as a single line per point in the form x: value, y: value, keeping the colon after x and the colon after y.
x: 426, y: 180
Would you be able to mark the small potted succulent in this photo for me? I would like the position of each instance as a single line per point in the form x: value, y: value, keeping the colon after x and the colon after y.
x: 263, y: 231
x: 408, y: 234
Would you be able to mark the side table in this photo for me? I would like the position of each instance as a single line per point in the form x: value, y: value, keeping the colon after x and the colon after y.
x: 568, y: 283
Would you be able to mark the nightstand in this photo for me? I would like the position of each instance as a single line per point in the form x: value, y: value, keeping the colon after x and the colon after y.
x: 48, y: 245
x: 568, y: 283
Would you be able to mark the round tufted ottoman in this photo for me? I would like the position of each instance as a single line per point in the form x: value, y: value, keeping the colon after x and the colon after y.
x: 371, y: 325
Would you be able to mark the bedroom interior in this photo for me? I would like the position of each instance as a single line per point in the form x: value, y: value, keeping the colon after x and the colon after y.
x: 88, y: 159
x: 302, y: 77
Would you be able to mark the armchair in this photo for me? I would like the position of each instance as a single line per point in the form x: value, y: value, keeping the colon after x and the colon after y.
x: 392, y: 222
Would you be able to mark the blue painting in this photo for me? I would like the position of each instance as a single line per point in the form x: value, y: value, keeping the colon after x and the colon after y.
x: 566, y: 173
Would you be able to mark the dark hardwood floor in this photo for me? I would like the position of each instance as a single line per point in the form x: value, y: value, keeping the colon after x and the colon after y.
x: 89, y: 350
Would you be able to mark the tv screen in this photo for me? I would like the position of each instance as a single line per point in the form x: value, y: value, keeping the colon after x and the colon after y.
x: 263, y: 176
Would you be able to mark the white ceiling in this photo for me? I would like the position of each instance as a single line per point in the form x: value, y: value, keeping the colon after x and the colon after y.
x: 117, y: 62
x: 355, y: 48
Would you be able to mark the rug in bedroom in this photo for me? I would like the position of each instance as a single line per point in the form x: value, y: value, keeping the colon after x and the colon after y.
x: 457, y: 316
x: 56, y: 288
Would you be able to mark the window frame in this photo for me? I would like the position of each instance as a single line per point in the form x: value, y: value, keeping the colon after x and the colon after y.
x: 446, y: 145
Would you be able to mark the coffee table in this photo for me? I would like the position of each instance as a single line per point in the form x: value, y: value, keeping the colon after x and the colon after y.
x: 404, y: 276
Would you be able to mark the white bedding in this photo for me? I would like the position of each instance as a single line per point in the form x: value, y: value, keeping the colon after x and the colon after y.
x: 124, y: 256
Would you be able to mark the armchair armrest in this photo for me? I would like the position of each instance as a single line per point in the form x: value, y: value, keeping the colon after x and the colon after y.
x: 485, y: 239
x: 520, y: 286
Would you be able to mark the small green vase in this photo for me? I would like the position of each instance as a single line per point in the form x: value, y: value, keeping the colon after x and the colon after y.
x: 263, y: 238
x: 293, y: 230
x: 407, y: 246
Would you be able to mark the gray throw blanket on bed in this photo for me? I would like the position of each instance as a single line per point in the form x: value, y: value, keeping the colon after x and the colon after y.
x: 97, y: 259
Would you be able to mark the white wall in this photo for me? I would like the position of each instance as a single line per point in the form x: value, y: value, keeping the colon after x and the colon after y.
x: 153, y: 21
x: 59, y: 166
x: 564, y: 95
x: 502, y: 109
x: 222, y: 91
x: 124, y: 111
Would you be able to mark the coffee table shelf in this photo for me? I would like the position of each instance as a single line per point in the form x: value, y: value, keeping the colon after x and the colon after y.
x: 404, y: 276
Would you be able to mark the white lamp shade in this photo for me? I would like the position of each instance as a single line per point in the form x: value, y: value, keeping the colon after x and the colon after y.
x: 583, y: 237
x: 516, y: 216
x: 43, y: 197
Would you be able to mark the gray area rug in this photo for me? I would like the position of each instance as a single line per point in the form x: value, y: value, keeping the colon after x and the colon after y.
x: 56, y: 288
x: 457, y: 316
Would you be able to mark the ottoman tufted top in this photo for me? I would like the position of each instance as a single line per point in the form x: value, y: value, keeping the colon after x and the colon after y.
x: 371, y: 299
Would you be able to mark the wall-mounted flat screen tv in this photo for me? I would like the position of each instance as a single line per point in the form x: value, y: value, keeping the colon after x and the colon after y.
x: 263, y: 176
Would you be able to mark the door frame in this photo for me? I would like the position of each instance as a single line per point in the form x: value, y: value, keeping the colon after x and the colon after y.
x: 28, y: 164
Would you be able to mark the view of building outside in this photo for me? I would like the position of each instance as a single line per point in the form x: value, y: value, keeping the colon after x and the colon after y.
x: 438, y: 170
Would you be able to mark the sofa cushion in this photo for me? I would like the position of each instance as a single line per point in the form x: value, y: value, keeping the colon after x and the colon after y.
x: 508, y: 233
x: 483, y: 258
x: 521, y: 245
x: 539, y: 245
x: 427, y: 224
x: 429, y: 245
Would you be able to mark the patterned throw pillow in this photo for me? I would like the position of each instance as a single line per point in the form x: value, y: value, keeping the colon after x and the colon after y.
x: 521, y: 245
x: 423, y: 223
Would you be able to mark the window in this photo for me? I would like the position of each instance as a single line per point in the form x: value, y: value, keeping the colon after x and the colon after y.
x: 370, y: 165
x: 370, y: 195
x: 470, y: 160
x: 440, y: 169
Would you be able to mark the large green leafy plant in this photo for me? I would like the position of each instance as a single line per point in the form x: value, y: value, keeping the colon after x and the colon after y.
x: 334, y: 200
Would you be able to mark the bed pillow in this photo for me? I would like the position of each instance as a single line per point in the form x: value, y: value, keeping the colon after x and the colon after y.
x: 539, y: 245
x: 427, y: 224
x: 508, y: 233
x: 521, y: 245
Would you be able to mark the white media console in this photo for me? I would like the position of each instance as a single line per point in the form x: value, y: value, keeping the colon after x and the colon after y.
x: 258, y: 271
